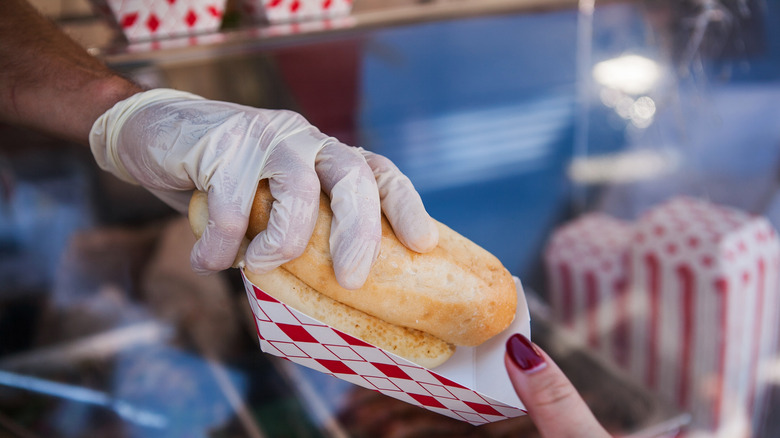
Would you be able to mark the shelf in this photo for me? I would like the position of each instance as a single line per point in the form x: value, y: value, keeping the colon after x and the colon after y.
x: 367, y: 15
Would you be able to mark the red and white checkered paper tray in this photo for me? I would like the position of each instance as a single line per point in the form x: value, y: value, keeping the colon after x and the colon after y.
x: 472, y: 386
x: 586, y: 262
x: 141, y: 20
x: 286, y: 11
x: 705, y: 298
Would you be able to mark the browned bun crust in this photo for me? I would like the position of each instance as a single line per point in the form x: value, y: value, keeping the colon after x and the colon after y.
x: 418, y: 347
x: 458, y: 292
x: 413, y: 345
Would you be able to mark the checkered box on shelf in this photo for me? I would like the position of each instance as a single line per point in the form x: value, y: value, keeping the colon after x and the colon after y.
x: 143, y: 20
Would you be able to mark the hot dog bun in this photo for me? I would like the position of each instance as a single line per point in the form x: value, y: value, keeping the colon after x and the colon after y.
x: 413, y: 345
x: 414, y: 305
x: 458, y: 292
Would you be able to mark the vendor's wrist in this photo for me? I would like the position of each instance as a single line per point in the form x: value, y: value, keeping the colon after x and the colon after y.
x: 107, y: 92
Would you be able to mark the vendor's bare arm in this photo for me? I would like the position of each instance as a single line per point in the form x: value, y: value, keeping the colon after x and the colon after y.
x: 47, y: 81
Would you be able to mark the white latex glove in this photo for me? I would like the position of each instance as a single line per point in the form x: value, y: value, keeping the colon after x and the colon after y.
x: 172, y: 143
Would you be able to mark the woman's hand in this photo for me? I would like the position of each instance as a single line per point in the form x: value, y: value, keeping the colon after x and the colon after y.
x: 553, y: 403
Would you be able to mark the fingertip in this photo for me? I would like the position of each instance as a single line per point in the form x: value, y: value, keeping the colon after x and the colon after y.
x: 351, y: 281
x: 424, y: 238
x: 547, y: 393
x: 257, y: 269
x: 216, y: 249
x: 352, y: 261
x: 199, y: 261
x: 262, y: 257
x: 403, y: 206
x: 221, y: 224
x: 524, y: 354
x: 356, y: 224
x: 201, y: 272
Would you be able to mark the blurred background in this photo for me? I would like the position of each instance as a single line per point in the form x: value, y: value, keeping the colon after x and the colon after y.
x: 512, y: 118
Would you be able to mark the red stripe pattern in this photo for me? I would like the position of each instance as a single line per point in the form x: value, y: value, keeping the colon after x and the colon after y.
x: 687, y: 280
x: 653, y: 289
x: 585, y: 262
x: 701, y: 310
x: 710, y: 327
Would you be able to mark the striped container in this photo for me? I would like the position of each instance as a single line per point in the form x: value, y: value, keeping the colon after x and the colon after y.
x: 586, y: 262
x: 686, y: 300
x: 704, y: 298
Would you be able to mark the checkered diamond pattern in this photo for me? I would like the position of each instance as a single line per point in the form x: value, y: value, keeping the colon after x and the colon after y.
x: 289, y: 334
x: 285, y: 11
x: 157, y: 19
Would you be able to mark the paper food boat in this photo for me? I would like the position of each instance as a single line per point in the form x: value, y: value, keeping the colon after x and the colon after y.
x: 472, y: 386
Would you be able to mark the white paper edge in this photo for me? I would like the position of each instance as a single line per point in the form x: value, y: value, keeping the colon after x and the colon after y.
x: 482, y: 368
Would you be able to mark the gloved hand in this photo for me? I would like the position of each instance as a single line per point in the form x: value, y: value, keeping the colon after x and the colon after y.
x: 172, y: 143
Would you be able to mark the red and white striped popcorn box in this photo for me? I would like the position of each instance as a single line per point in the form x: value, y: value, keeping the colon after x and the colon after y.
x: 472, y: 386
x: 704, y: 294
x: 141, y: 20
x: 587, y: 273
x: 286, y: 11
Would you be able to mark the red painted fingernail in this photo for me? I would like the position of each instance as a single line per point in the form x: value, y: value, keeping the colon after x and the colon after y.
x: 524, y: 354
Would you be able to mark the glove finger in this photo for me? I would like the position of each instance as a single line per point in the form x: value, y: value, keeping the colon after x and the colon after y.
x: 356, y: 230
x: 178, y: 200
x: 296, y: 192
x: 402, y: 205
x: 228, y: 218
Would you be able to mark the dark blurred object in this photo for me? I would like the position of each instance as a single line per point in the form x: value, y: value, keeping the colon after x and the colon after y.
x: 202, y: 307
x: 21, y: 317
x: 710, y: 30
x: 97, y: 283
x: 46, y: 196
x: 129, y: 328
x: 328, y: 98
x: 370, y: 414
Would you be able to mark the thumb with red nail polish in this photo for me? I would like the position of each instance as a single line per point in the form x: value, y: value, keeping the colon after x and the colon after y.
x: 553, y: 403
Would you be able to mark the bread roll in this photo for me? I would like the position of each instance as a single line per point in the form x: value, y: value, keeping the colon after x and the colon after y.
x: 418, y: 347
x: 458, y: 292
